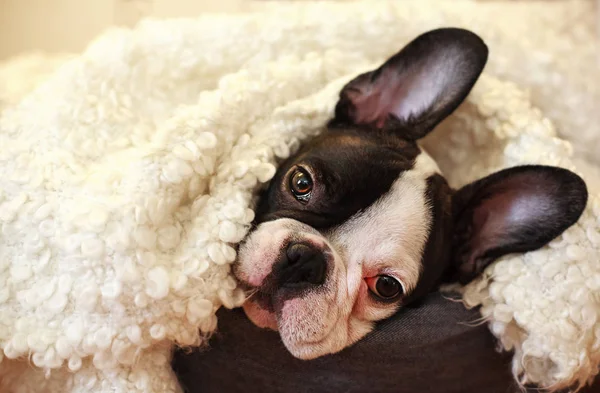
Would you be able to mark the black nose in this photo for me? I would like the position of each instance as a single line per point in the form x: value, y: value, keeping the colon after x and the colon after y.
x: 302, y: 264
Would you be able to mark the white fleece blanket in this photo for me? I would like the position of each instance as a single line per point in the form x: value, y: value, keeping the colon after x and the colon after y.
x: 129, y: 176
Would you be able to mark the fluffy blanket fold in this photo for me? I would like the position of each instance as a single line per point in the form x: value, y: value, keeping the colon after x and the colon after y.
x: 129, y: 176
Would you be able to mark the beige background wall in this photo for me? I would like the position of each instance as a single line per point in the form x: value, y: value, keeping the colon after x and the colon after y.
x: 68, y: 25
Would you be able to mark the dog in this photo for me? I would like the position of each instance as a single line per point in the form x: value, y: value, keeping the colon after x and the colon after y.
x: 360, y: 222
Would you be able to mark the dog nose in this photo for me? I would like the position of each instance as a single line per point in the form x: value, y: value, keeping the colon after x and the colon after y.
x: 302, y: 264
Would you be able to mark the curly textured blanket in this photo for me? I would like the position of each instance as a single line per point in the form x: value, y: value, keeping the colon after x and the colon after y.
x: 129, y: 176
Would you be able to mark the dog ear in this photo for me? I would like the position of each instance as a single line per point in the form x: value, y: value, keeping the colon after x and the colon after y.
x: 416, y: 88
x: 515, y: 210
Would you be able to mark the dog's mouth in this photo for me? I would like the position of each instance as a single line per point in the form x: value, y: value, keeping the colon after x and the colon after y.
x: 263, y: 299
x: 271, y: 299
x: 304, y: 325
x: 261, y: 308
x: 277, y: 307
x: 260, y: 304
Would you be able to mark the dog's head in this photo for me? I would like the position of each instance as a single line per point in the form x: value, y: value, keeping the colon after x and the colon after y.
x: 360, y: 222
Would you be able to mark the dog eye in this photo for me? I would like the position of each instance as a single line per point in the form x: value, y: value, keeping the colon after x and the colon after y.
x: 385, y: 287
x: 301, y: 185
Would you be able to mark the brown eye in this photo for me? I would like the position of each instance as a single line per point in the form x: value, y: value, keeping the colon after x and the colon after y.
x: 301, y: 185
x: 385, y: 287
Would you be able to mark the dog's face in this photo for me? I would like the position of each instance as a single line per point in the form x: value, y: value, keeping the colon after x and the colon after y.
x: 360, y: 222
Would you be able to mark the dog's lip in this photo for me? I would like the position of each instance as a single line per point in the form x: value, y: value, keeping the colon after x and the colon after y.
x: 273, y: 304
x: 264, y: 301
x: 271, y: 301
x: 261, y: 295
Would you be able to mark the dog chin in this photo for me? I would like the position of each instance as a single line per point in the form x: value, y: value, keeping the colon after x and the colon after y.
x: 308, y: 329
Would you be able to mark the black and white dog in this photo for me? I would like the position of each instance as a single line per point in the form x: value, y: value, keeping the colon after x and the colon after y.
x: 361, y: 222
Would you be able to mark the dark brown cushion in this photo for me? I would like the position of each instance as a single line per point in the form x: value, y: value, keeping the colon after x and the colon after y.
x: 431, y: 348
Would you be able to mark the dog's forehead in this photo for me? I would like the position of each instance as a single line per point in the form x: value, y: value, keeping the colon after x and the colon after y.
x: 361, y: 139
x: 355, y: 162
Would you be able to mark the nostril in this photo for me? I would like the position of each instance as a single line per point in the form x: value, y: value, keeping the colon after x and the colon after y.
x: 302, y: 264
x: 298, y: 252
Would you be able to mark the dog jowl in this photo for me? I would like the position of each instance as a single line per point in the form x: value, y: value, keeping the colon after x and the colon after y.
x: 360, y: 222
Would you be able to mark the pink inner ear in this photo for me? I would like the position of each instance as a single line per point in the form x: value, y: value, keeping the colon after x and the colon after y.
x: 516, y: 210
x: 498, y: 219
x: 371, y: 104
x: 405, y: 94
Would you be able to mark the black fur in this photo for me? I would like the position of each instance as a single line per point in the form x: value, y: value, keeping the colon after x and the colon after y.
x: 352, y: 169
